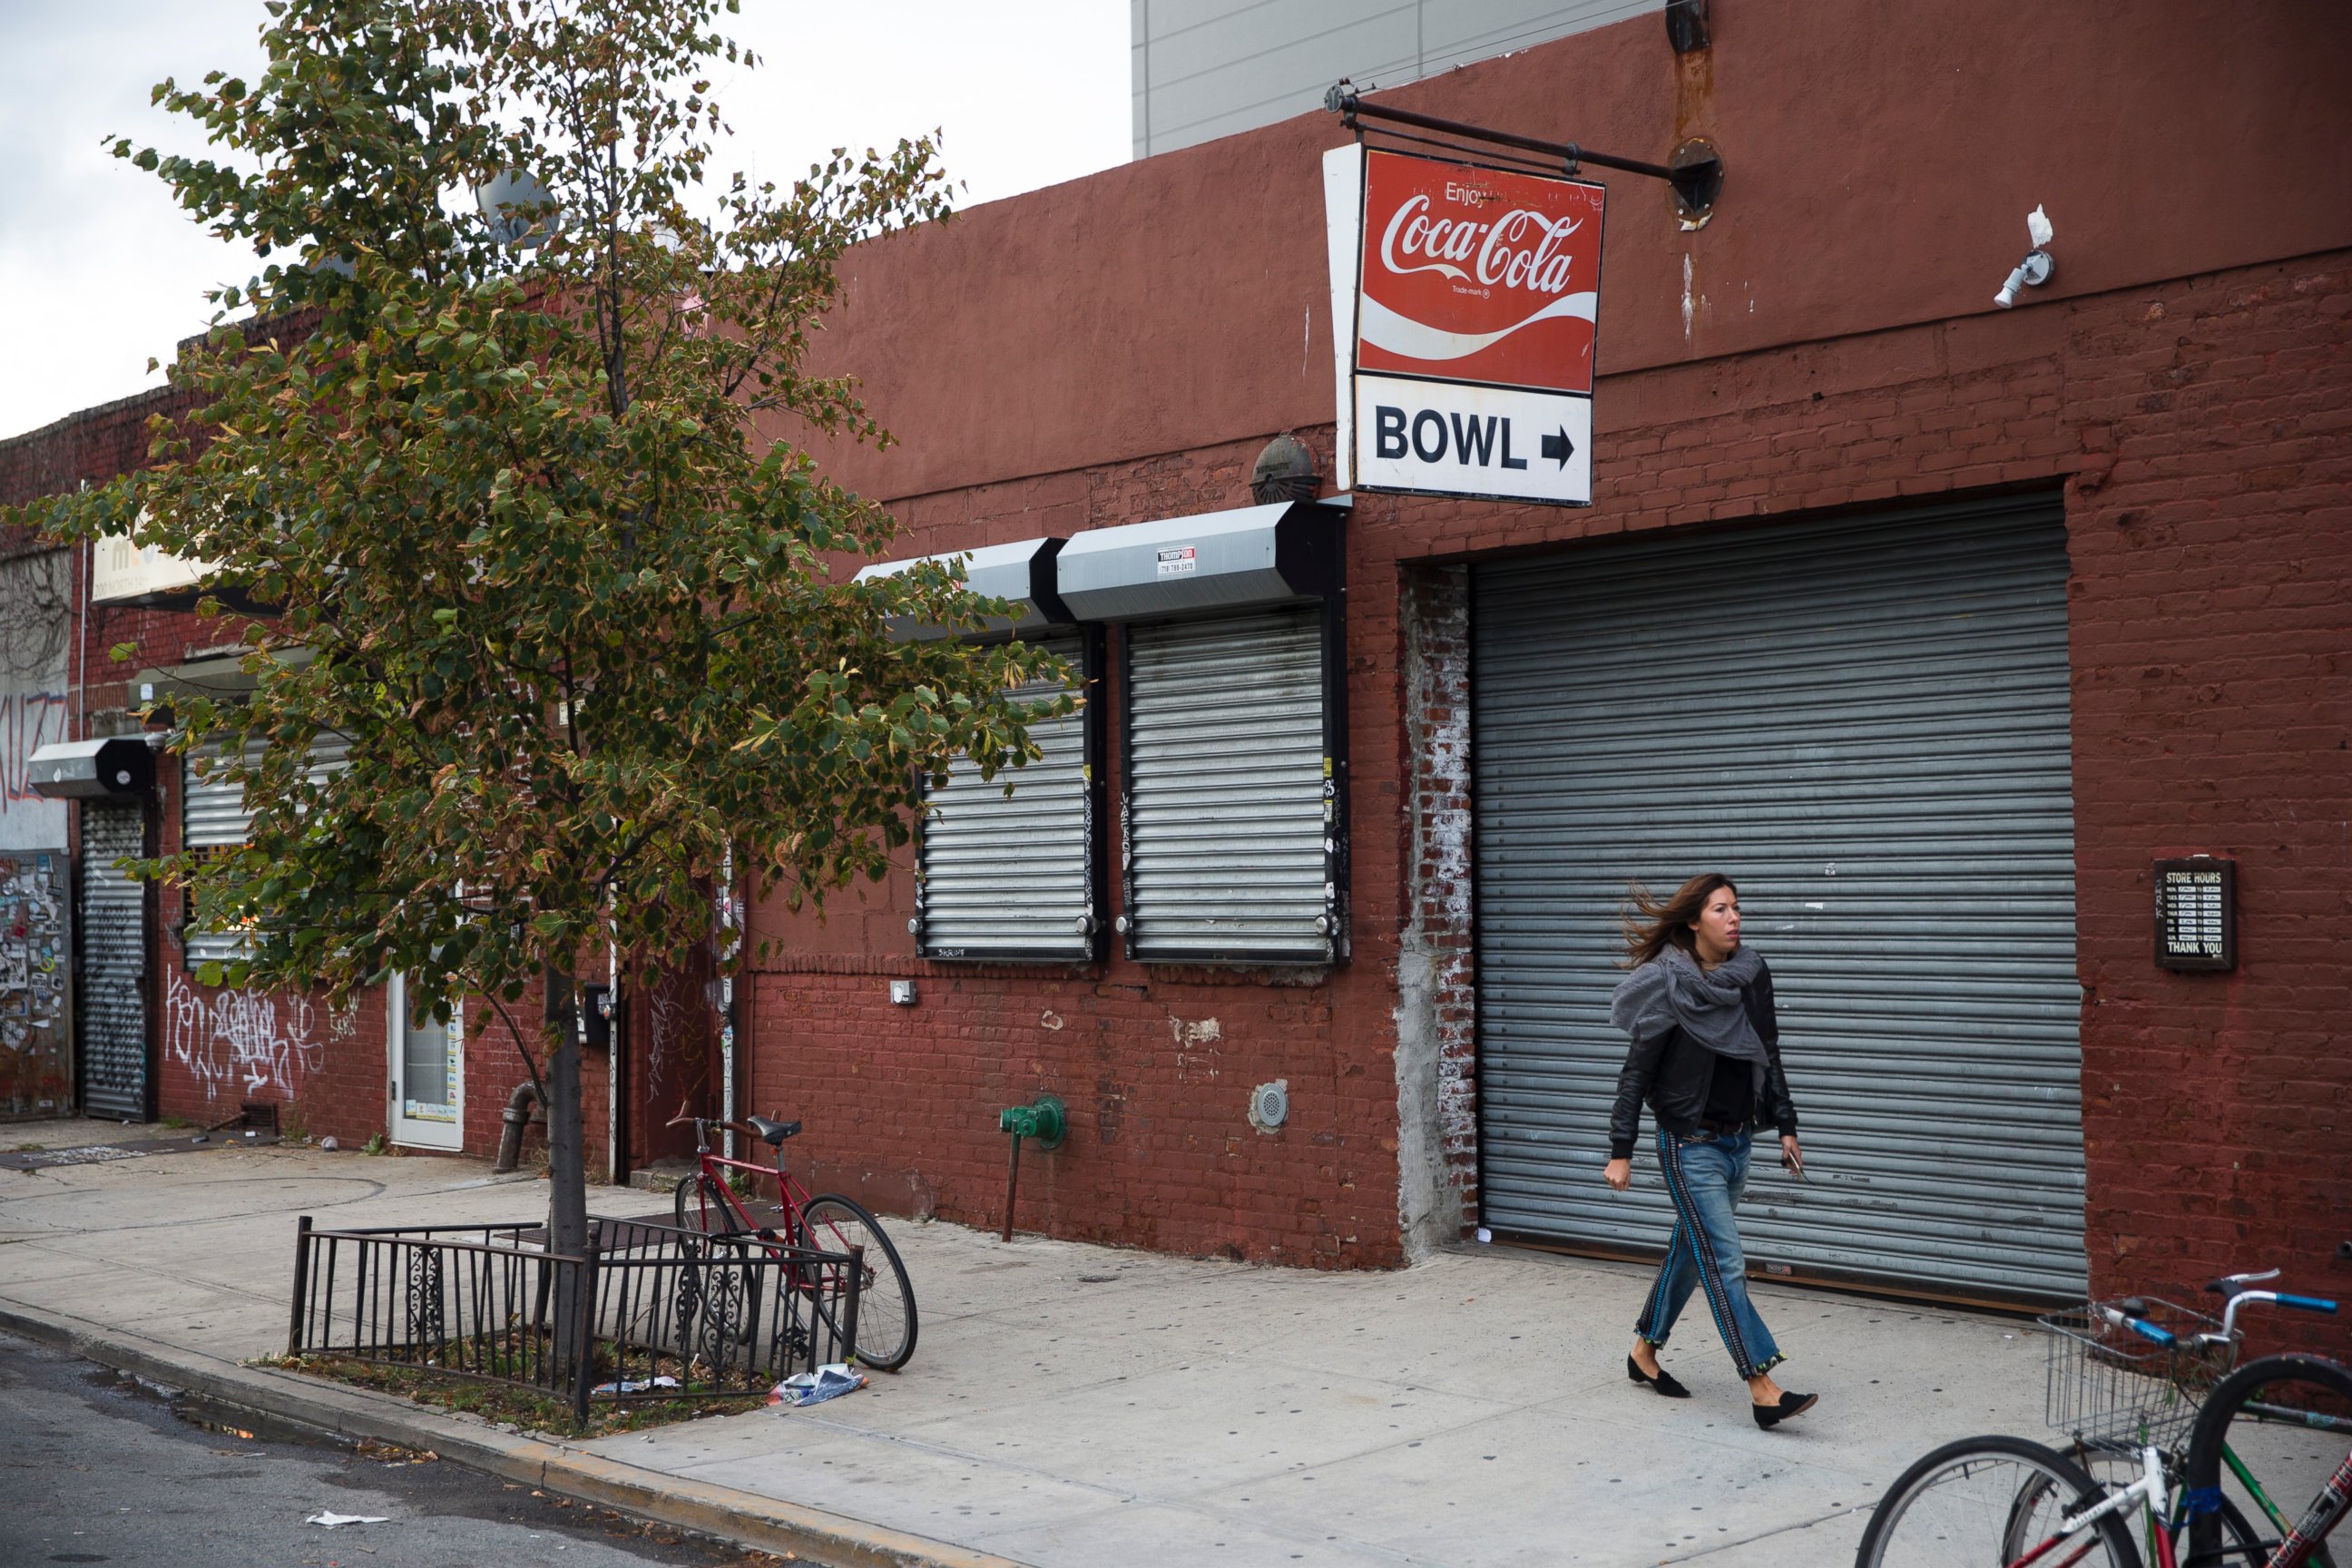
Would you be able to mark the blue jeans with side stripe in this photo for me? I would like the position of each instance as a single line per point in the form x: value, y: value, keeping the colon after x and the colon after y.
x: 1706, y: 1175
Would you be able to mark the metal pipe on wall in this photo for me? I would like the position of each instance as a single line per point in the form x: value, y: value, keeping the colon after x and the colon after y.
x: 727, y: 943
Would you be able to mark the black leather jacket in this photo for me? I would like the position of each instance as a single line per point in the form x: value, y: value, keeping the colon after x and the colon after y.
x: 1671, y: 1073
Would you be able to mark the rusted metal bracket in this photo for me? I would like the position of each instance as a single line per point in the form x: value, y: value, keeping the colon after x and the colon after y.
x: 1695, y: 170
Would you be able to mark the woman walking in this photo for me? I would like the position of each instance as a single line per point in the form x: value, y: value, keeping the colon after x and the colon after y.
x: 1706, y: 1058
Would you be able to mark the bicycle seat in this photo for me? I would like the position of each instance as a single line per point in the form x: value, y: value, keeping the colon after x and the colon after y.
x: 773, y: 1133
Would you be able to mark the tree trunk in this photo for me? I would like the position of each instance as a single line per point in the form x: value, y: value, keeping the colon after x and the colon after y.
x: 567, y: 1193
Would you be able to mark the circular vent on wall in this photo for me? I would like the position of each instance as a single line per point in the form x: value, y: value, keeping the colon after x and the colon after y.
x: 1270, y: 1105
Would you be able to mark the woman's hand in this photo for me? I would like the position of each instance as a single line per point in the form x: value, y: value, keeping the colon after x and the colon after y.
x: 1619, y: 1174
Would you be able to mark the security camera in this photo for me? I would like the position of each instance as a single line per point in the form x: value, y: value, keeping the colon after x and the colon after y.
x: 2034, y: 270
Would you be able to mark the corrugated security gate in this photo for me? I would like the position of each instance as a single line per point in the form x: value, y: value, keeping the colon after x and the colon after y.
x: 1228, y: 852
x: 111, y: 1004
x: 213, y: 816
x: 1011, y: 876
x: 1864, y: 724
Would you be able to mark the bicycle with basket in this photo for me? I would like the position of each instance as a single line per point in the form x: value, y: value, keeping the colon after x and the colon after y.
x: 2226, y: 1466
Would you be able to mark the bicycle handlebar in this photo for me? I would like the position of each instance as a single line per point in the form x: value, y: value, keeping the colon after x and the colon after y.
x: 2227, y: 1285
x: 700, y: 1123
x: 2145, y: 1330
x: 2233, y: 1288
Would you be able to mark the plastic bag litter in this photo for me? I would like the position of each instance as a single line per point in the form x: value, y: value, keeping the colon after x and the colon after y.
x: 332, y: 1520
x: 830, y: 1380
x: 638, y: 1384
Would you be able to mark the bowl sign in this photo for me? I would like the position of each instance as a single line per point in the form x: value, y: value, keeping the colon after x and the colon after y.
x: 1474, y: 295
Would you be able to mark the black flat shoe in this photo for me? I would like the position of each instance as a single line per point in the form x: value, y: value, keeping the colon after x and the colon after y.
x: 1771, y: 1415
x: 1663, y: 1382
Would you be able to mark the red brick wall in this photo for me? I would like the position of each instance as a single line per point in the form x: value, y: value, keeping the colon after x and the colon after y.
x: 494, y: 1066
x: 2213, y: 644
x: 2197, y: 427
x: 217, y: 1047
x: 901, y: 1103
x: 1127, y: 344
x: 2200, y: 425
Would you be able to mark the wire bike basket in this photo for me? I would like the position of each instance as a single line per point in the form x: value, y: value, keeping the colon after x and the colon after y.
x: 2113, y: 1386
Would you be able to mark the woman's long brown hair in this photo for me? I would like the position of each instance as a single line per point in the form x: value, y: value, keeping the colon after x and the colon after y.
x: 1652, y: 924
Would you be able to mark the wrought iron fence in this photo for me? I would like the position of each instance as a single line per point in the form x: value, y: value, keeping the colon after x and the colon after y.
x: 647, y: 1311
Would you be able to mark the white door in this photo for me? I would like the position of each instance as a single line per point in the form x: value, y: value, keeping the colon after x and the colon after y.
x: 427, y: 1087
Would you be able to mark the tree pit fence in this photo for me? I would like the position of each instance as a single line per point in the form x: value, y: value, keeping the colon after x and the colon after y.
x: 645, y: 1312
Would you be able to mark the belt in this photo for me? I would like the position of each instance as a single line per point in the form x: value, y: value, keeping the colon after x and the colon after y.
x: 1722, y: 1129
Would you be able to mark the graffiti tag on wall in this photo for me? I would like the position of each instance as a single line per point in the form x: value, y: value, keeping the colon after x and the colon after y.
x: 249, y: 1041
x: 28, y: 719
x: 34, y: 622
x: 661, y: 1009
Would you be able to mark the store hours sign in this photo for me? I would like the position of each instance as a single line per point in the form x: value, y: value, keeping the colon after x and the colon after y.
x: 1474, y: 295
x: 2197, y: 913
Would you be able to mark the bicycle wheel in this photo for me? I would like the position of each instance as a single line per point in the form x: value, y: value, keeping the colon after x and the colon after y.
x: 701, y: 1205
x: 885, y: 1301
x: 1985, y: 1502
x: 2272, y: 1445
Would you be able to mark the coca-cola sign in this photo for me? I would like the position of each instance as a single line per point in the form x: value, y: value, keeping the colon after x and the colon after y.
x: 1475, y: 294
x: 1478, y: 275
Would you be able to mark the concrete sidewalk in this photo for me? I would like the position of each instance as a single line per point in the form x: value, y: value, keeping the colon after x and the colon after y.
x: 1076, y: 1405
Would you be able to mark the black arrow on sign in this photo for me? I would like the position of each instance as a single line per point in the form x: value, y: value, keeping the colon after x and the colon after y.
x: 1560, y: 446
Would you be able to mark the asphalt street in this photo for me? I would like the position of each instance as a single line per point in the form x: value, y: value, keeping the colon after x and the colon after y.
x: 95, y: 1468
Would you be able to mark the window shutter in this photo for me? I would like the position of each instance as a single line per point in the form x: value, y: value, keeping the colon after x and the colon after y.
x: 1011, y: 876
x: 1232, y: 834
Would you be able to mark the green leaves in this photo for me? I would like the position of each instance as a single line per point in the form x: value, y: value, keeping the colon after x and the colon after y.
x: 527, y: 560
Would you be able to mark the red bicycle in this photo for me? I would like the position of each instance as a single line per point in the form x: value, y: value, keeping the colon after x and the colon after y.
x: 708, y: 1202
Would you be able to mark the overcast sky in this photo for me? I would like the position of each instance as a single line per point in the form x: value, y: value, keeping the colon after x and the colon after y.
x: 99, y: 269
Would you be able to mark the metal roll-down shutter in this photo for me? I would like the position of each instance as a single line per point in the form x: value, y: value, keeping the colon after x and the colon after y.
x: 1230, y: 836
x: 1011, y: 876
x: 213, y: 816
x: 111, y: 1000
x: 1865, y: 724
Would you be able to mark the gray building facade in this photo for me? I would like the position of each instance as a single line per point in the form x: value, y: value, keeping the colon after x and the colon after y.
x: 1206, y: 69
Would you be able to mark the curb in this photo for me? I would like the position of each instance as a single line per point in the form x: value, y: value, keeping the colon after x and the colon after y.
x: 748, y: 1519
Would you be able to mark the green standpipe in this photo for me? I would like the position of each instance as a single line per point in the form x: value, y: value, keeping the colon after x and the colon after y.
x: 1042, y: 1120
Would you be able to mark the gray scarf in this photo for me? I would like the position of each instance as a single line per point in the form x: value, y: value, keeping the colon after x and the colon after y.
x: 1671, y: 991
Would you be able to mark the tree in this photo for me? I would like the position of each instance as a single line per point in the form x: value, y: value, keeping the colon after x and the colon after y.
x: 501, y: 486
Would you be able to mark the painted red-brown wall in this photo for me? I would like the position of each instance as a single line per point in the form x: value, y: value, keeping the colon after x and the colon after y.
x: 1116, y: 349
x: 1880, y: 166
x: 215, y: 1049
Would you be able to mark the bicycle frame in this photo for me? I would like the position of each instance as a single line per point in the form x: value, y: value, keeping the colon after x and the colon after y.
x: 2297, y: 1540
x: 2150, y: 1492
x: 792, y: 1198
